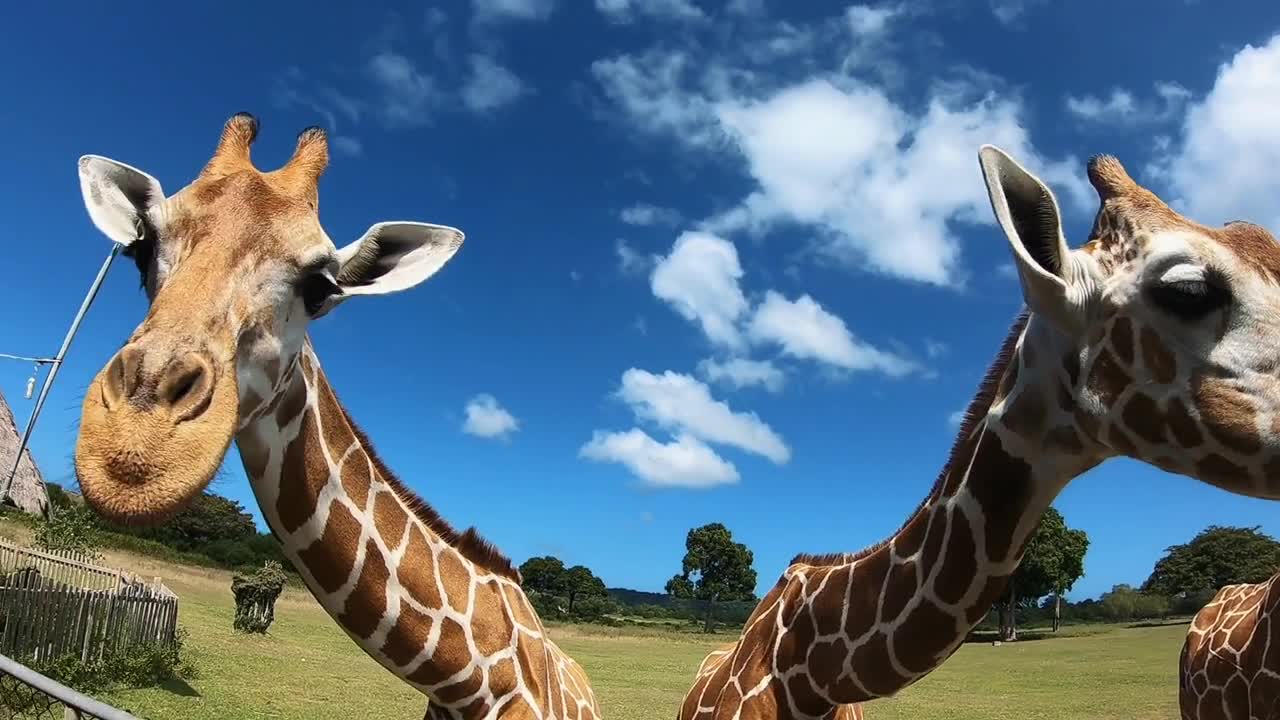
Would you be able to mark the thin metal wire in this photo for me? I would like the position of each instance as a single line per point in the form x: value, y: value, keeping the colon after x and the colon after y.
x: 37, y: 360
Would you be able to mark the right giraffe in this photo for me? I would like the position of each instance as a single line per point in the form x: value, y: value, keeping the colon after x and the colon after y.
x: 1230, y: 664
x: 1158, y: 340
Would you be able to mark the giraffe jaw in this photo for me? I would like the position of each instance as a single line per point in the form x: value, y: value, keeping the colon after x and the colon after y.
x: 140, y: 467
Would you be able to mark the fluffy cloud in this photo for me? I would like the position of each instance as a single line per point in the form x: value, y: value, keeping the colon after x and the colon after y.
x: 490, y: 86
x: 884, y: 187
x: 803, y: 329
x: 493, y: 10
x: 683, y: 405
x: 955, y: 419
x: 683, y: 462
x: 407, y: 96
x: 1222, y: 166
x: 646, y: 214
x: 487, y: 419
x: 877, y: 185
x: 867, y: 20
x: 741, y: 373
x: 627, y: 10
x: 1121, y: 107
x: 647, y: 89
x: 699, y: 279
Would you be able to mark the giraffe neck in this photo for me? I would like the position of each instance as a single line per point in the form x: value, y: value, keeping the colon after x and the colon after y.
x: 886, y: 617
x: 399, y: 581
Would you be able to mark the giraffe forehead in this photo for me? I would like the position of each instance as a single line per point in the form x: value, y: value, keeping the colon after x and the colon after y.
x: 252, y: 212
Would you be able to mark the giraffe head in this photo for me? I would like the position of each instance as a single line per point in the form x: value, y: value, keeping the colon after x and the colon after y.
x: 1158, y: 339
x: 235, y: 266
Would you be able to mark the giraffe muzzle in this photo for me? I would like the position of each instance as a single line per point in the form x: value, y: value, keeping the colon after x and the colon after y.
x: 154, y: 429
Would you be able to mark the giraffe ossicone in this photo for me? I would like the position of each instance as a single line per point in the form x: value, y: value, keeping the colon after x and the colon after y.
x: 235, y: 266
x: 1229, y: 668
x: 1157, y: 340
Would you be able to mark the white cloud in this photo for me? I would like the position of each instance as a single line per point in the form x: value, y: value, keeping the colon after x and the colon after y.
x: 883, y: 187
x: 935, y: 349
x: 623, y: 11
x: 681, y: 404
x: 955, y: 419
x: 804, y: 329
x: 866, y: 20
x: 1120, y: 107
x: 487, y: 419
x: 740, y: 373
x: 490, y: 86
x: 407, y: 95
x: 648, y: 90
x: 646, y: 214
x: 684, y: 462
x: 1222, y: 166
x: 872, y: 182
x: 346, y: 145
x: 700, y: 280
x: 493, y: 10
x: 632, y: 261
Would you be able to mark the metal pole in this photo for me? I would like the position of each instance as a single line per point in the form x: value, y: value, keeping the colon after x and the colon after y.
x: 53, y: 369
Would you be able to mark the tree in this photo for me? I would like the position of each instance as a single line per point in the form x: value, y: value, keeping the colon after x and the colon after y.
x: 544, y: 574
x: 1051, y: 564
x: 580, y: 582
x: 208, y: 519
x: 715, y: 568
x: 1216, y: 557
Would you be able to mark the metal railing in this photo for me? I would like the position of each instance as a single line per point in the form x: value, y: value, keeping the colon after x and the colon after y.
x: 27, y: 695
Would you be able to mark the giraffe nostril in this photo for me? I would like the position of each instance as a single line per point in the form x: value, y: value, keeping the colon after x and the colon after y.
x: 187, y: 387
x: 121, y: 380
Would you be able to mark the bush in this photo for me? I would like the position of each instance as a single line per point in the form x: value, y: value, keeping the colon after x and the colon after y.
x: 595, y: 608
x: 256, y: 597
x: 69, y: 529
x: 141, y: 665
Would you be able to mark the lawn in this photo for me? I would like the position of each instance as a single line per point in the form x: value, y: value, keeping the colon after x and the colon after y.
x: 307, y: 668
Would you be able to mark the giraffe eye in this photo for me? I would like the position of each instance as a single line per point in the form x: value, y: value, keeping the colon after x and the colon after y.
x: 315, y: 289
x: 1189, y: 299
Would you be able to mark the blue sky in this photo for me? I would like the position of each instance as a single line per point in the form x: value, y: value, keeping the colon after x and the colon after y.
x: 726, y: 261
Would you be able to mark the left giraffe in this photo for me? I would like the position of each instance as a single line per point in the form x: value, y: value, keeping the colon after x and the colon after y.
x: 1229, y: 668
x: 235, y: 265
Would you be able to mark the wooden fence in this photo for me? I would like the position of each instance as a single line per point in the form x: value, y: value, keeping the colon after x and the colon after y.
x: 54, y: 604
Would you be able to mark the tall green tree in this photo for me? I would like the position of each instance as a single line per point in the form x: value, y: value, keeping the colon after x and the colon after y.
x: 715, y: 568
x: 1218, y: 556
x: 581, y: 583
x: 544, y: 574
x: 1051, y: 565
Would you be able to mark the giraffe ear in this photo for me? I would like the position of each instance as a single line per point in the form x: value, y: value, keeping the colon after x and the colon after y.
x: 117, y: 196
x: 394, y: 256
x: 1027, y: 212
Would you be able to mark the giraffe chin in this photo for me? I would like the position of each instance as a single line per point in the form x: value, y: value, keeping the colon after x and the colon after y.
x: 139, y: 467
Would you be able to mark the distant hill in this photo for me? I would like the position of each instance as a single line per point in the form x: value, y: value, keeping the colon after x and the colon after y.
x: 639, y: 597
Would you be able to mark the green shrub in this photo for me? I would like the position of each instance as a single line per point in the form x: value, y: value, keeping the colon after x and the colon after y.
x: 69, y: 529
x: 138, y: 666
x: 256, y: 597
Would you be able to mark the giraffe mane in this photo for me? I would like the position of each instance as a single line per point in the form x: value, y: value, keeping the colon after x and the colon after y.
x: 973, y: 414
x: 469, y: 542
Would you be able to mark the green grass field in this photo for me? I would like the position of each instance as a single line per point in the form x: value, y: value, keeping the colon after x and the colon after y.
x: 307, y: 668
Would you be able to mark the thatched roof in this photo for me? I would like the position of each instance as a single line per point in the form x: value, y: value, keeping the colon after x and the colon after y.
x: 28, y: 491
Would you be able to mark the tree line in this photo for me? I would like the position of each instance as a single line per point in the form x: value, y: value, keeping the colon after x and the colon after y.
x: 716, y: 579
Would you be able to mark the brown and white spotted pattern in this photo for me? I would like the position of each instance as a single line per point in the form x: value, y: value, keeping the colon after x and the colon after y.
x: 449, y: 617
x: 1230, y: 662
x: 235, y: 266
x: 1159, y: 340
